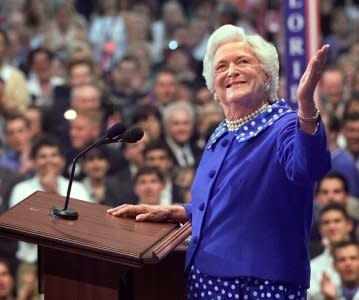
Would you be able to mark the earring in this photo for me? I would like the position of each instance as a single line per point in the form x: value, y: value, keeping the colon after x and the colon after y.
x: 215, y: 97
x: 267, y: 86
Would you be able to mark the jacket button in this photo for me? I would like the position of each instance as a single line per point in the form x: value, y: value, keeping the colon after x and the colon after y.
x: 212, y: 173
x: 195, y: 240
x: 202, y: 206
x: 224, y: 143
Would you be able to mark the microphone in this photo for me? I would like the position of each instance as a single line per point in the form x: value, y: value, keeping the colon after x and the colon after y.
x: 112, y: 135
x: 131, y: 135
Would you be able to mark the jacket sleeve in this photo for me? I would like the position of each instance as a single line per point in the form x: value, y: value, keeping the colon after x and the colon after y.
x: 188, y: 209
x: 304, y: 157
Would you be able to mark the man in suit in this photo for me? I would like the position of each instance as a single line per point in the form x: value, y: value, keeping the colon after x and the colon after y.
x: 178, y: 120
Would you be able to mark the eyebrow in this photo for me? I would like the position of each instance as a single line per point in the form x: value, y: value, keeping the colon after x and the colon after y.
x: 237, y: 57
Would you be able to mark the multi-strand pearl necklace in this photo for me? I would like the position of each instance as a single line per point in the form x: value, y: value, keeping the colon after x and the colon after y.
x: 233, y: 125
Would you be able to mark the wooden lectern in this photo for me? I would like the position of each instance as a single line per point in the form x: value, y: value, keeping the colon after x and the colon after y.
x: 99, y: 256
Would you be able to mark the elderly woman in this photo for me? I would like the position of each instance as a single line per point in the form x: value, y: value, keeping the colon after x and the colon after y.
x: 252, y: 194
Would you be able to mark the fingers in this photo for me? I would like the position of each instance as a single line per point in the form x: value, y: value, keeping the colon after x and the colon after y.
x: 127, y: 210
x: 123, y: 210
x: 143, y: 212
x: 315, y: 68
x: 158, y: 215
x: 319, y: 61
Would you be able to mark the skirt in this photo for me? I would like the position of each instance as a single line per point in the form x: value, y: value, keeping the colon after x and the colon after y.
x: 201, y: 286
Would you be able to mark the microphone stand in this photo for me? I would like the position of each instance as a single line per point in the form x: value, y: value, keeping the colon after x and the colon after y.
x: 69, y: 213
x: 114, y: 134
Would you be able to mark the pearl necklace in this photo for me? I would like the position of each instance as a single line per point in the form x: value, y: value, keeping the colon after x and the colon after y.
x: 233, y: 125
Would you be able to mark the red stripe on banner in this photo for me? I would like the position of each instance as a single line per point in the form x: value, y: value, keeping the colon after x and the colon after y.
x: 313, y: 33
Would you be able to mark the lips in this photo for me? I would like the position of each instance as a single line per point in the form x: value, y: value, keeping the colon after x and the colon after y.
x: 235, y: 83
x: 348, y: 274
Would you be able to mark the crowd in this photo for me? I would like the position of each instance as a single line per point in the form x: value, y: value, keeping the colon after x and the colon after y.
x: 71, y: 69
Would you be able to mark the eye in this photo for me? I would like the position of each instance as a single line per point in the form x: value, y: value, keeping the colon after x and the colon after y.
x: 242, y: 61
x: 220, y: 67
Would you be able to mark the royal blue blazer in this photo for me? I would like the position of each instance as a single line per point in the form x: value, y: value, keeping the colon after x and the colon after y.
x: 252, y: 198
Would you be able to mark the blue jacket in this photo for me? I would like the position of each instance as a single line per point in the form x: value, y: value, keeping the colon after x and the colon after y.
x: 252, y: 198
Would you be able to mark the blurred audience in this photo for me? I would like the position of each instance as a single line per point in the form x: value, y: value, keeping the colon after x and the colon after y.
x: 16, y: 96
x: 41, y: 82
x: 91, y: 64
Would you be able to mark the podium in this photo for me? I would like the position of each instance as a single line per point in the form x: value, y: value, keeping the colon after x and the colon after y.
x: 99, y: 256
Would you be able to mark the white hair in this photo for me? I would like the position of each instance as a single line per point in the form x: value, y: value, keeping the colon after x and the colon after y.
x: 178, y: 106
x: 264, y: 51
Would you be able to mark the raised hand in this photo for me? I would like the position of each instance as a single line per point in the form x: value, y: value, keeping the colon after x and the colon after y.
x: 311, y: 77
x: 328, y: 289
x: 48, y: 180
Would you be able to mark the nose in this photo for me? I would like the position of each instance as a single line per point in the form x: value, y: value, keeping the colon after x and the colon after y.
x: 232, y: 70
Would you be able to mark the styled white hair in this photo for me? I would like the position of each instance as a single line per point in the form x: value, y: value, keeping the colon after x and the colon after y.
x: 264, y: 51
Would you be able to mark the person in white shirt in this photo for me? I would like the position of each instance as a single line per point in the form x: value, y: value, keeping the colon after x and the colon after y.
x: 335, y: 226
x: 49, y: 162
x: 346, y: 263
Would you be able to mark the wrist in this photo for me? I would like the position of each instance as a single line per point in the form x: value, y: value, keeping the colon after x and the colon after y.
x: 177, y: 213
x: 310, y: 116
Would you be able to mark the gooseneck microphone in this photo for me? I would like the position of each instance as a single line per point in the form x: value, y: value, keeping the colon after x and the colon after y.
x: 132, y: 135
x: 114, y: 134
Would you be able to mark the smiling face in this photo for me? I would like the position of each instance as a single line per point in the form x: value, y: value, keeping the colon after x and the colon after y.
x: 347, y: 264
x: 238, y: 77
x: 334, y: 226
x: 49, y: 161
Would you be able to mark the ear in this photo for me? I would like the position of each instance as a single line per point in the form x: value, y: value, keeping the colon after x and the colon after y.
x: 350, y: 225
x: 62, y: 163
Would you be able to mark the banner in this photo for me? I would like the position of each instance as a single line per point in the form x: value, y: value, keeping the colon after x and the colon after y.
x: 301, y: 20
